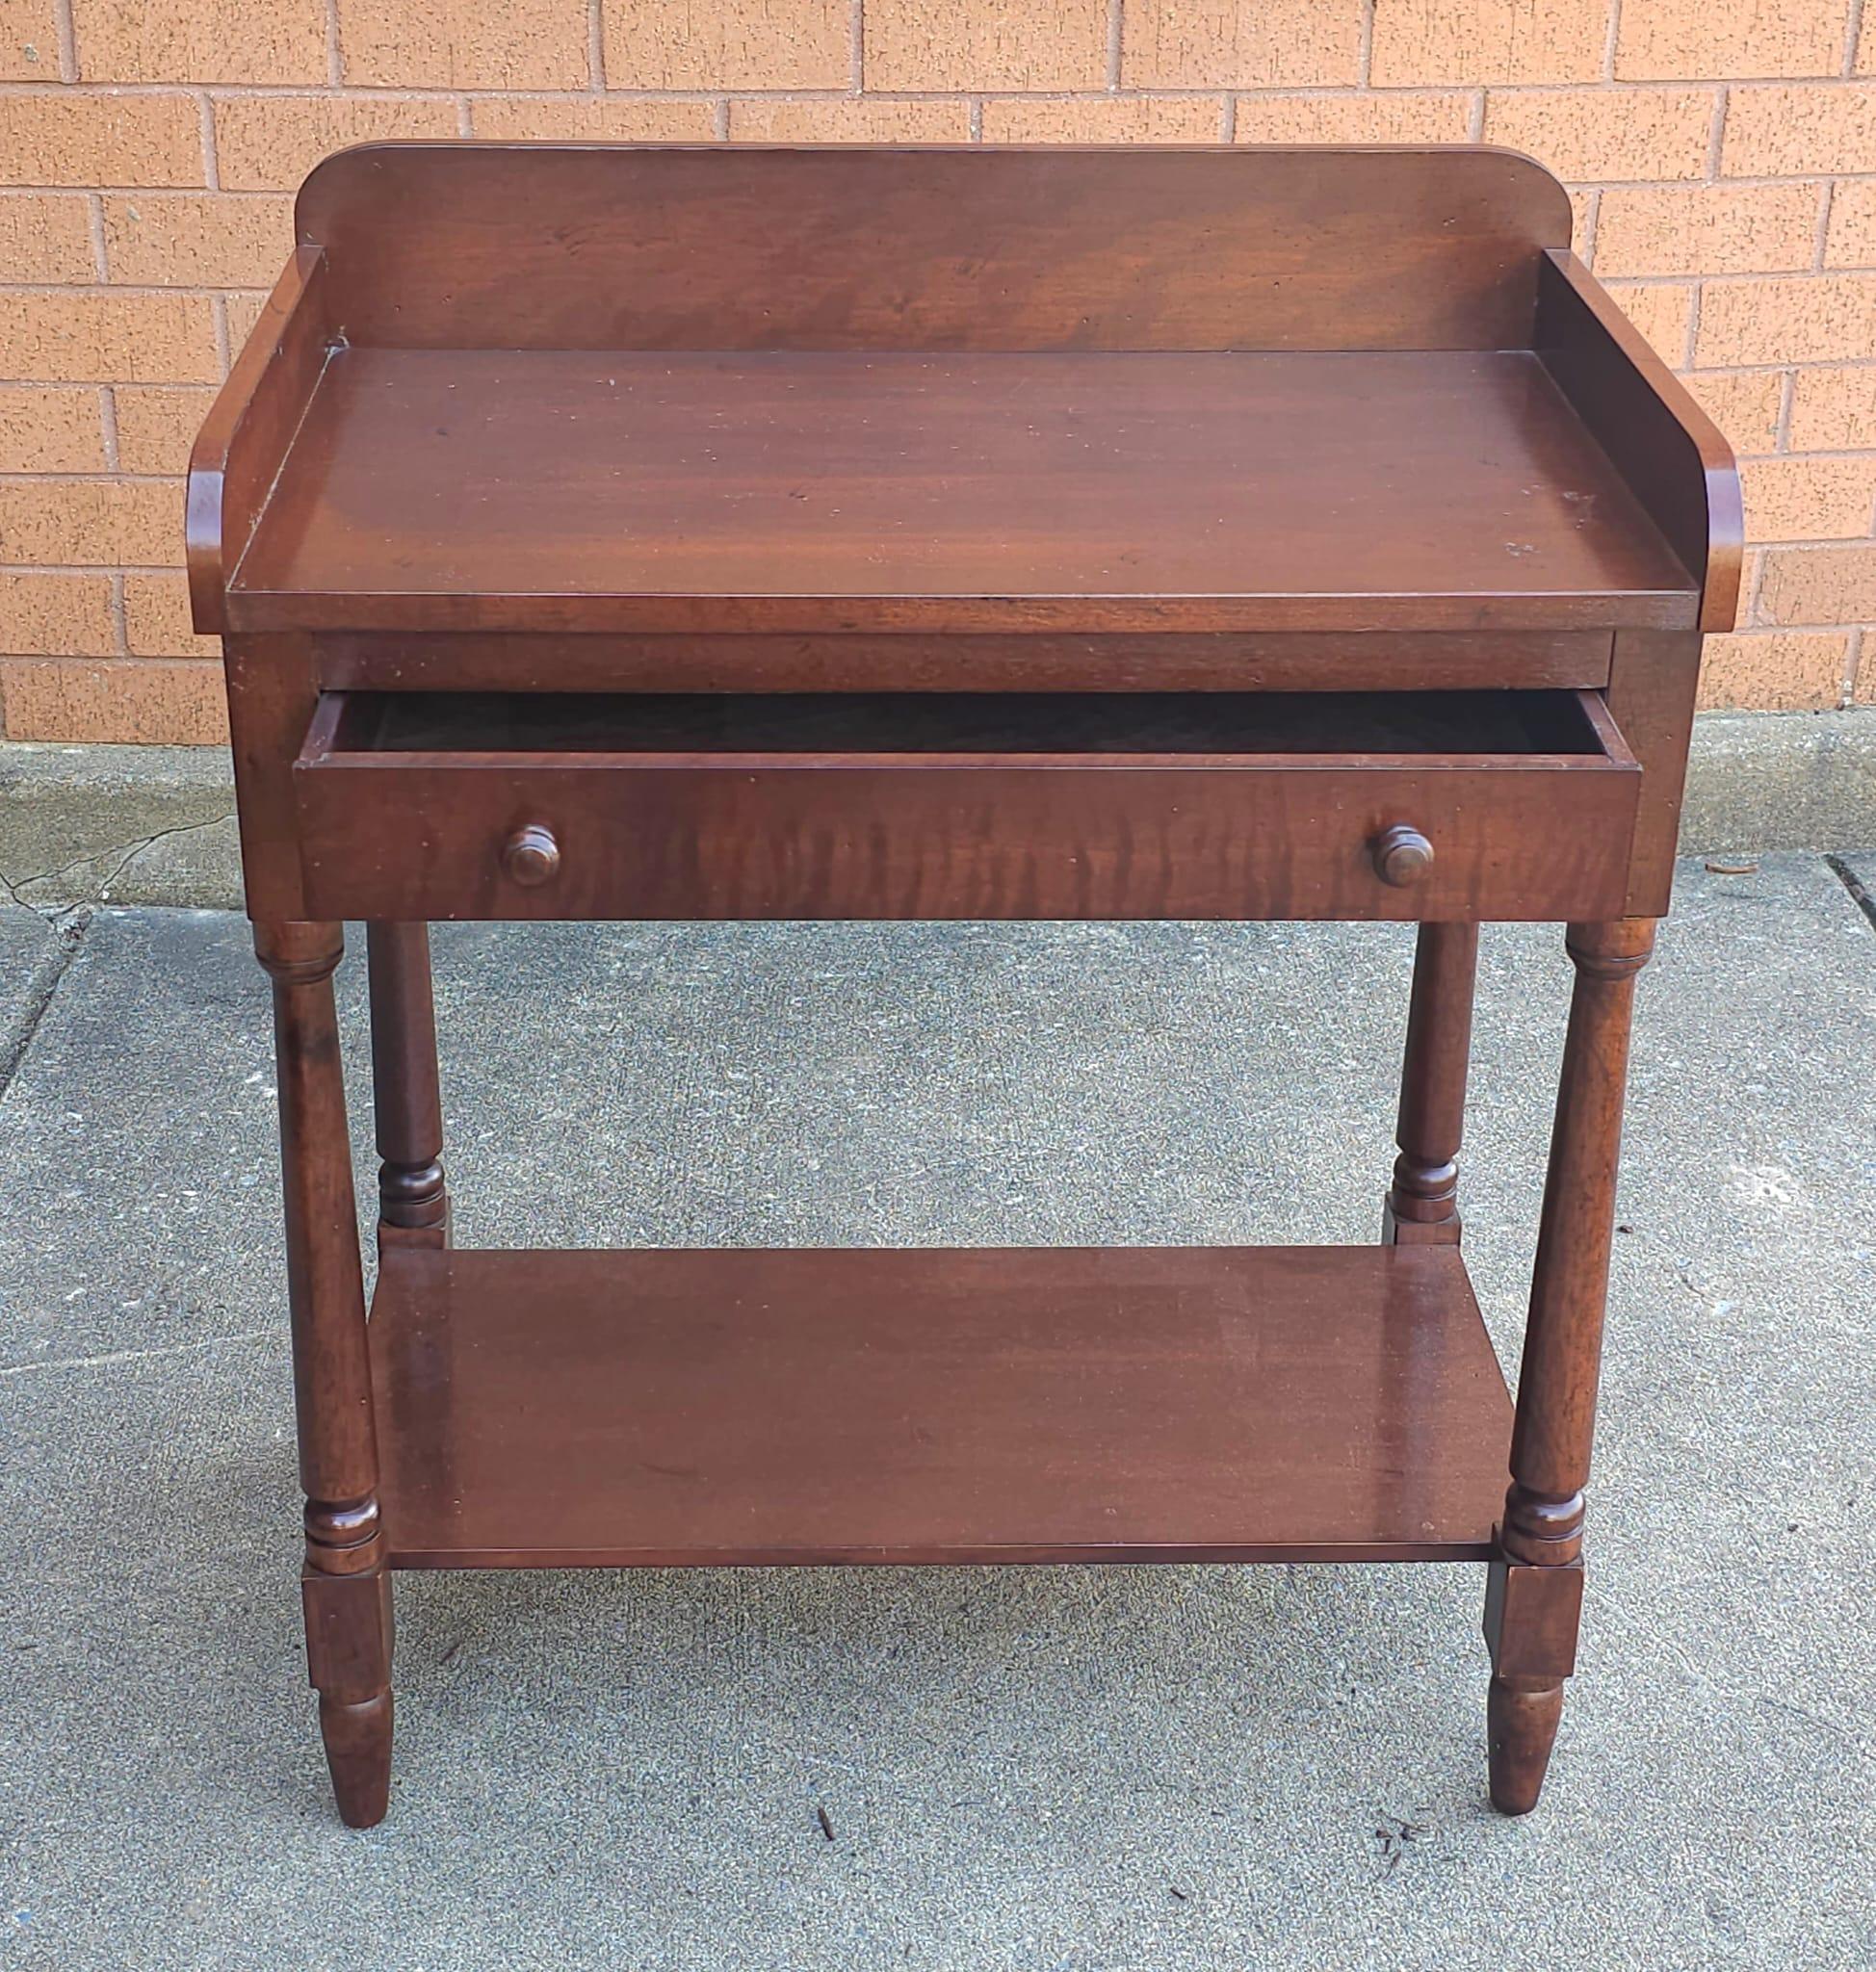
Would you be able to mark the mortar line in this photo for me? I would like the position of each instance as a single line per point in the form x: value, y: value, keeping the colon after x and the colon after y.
x: 67, y: 36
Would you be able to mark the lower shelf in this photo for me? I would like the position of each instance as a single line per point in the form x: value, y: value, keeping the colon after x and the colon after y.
x: 725, y: 1406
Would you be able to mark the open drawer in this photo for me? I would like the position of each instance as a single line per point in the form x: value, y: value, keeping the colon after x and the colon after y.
x: 1420, y: 805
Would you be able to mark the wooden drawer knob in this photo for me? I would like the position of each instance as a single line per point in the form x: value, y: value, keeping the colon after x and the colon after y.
x: 1402, y: 855
x: 531, y: 856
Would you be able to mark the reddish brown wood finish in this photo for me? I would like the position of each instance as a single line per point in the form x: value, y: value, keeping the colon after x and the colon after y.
x: 413, y: 1202
x: 1374, y: 660
x: 646, y: 248
x: 572, y: 420
x: 972, y: 1405
x: 347, y: 1599
x: 1081, y: 492
x: 241, y: 446
x: 1423, y: 1204
x: 759, y: 831
x: 1667, y: 449
x: 1531, y: 1623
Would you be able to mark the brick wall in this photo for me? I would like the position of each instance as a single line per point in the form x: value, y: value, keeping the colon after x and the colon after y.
x: 1723, y: 156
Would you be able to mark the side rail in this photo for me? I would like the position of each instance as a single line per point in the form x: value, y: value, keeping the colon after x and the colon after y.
x: 244, y: 440
x: 1667, y: 449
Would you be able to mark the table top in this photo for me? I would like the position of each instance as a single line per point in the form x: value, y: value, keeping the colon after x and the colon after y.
x: 1069, y: 490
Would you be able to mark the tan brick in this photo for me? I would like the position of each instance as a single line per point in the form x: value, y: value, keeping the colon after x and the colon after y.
x: 157, y: 426
x: 1782, y: 130
x: 463, y: 44
x: 1103, y: 119
x: 992, y: 45
x: 1488, y: 40
x: 1701, y: 229
x: 852, y: 119
x: 1809, y: 319
x: 1662, y: 40
x: 57, y: 615
x: 1796, y: 499
x: 101, y: 137
x: 29, y: 41
x: 1606, y: 134
x: 1850, y: 239
x: 156, y: 619
x: 200, y: 41
x: 1241, y: 43
x: 729, y: 45
x: 1818, y: 585
x: 1391, y: 116
x: 214, y: 239
x: 1862, y: 684
x: 50, y: 430
x: 91, y: 523
x: 268, y: 144
x: 1662, y: 310
x: 1834, y: 410
x: 1866, y: 58
x: 1744, y: 404
x: 244, y: 311
x: 45, y: 237
x: 102, y: 337
x: 598, y: 120
x: 133, y: 701
x: 1773, y: 670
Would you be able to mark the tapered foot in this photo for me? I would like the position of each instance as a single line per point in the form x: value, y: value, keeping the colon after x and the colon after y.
x: 359, y: 1751
x: 1521, y: 1725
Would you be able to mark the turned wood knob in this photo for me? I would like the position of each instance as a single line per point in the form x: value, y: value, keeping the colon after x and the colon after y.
x: 531, y: 856
x: 1402, y: 855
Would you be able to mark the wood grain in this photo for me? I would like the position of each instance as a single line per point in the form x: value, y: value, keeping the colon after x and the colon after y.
x: 1374, y: 660
x: 986, y: 1405
x: 623, y: 248
x: 1001, y: 807
x: 1123, y: 493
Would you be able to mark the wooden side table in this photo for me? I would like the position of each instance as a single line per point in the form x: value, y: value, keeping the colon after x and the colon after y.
x: 713, y: 533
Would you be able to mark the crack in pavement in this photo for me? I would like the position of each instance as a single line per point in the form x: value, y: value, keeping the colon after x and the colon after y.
x: 52, y: 914
x: 17, y: 1033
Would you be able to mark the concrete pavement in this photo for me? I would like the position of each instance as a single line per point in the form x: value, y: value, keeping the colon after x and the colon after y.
x: 1053, y: 1768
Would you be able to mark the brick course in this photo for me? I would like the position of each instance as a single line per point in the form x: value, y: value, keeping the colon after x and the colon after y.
x: 1722, y: 162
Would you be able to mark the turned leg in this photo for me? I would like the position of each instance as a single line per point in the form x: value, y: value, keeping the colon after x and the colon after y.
x: 1535, y: 1595
x: 1423, y: 1204
x: 413, y: 1207
x: 346, y: 1589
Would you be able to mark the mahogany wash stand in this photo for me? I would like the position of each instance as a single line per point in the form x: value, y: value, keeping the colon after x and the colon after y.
x: 956, y: 534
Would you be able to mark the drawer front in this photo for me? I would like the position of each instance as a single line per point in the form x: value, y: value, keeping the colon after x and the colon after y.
x: 496, y: 837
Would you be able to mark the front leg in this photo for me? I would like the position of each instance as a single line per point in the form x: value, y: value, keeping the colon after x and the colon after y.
x: 1534, y: 1596
x: 346, y: 1589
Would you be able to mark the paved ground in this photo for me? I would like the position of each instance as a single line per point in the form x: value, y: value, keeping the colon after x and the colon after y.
x: 1154, y: 1767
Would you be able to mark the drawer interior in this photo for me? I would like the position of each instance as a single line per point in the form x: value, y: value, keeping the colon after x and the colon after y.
x: 1568, y: 726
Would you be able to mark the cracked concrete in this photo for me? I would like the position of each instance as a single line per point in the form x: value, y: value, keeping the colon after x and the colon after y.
x: 34, y: 949
x: 1083, y: 1771
x: 127, y: 825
